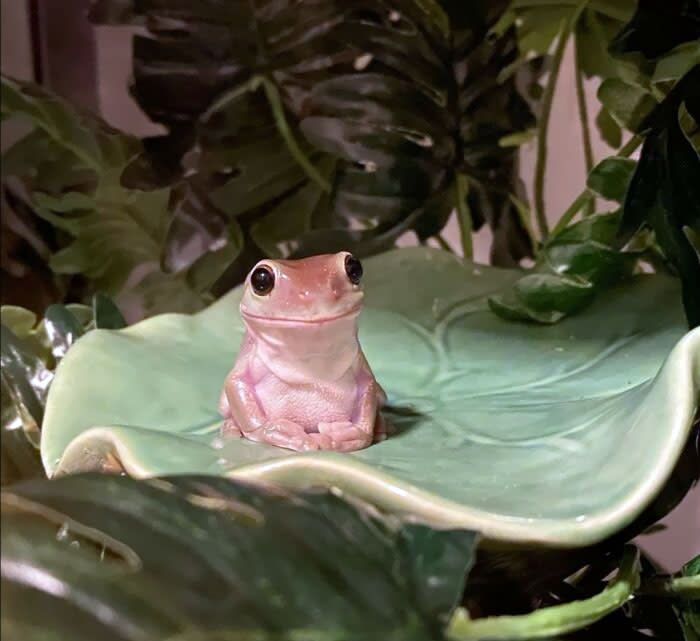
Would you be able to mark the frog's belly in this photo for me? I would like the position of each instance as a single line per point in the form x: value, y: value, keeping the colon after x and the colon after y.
x: 306, y: 405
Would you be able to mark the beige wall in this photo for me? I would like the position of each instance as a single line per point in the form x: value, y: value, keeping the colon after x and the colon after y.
x: 565, y: 178
x: 16, y: 57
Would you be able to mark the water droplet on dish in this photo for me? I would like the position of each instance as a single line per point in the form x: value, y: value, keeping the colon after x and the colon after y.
x: 221, y: 461
x: 394, y: 16
x: 476, y: 272
x: 218, y: 443
x: 62, y: 533
x: 581, y: 518
x: 362, y: 62
x: 558, y: 349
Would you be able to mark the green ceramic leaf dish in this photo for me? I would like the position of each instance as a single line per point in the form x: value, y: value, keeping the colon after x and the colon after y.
x: 559, y: 434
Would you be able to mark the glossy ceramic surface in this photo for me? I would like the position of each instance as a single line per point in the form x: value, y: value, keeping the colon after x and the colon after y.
x: 551, y: 434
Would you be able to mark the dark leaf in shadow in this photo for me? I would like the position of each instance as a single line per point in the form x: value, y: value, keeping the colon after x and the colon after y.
x: 221, y: 559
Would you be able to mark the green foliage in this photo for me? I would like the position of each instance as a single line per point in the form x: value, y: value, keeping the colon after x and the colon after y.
x: 193, y: 557
x: 558, y: 619
x: 664, y: 192
x: 357, y: 124
x: 31, y: 351
x: 572, y: 267
x: 592, y: 25
x: 116, y: 233
x: 611, y: 177
x: 345, y: 131
x: 649, y: 87
x: 655, y: 29
x: 578, y: 261
x: 688, y: 606
x: 201, y: 557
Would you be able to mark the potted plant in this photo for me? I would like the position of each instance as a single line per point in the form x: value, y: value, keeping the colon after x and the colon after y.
x: 544, y: 415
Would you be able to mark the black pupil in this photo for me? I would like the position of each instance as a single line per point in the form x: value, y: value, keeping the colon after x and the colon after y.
x: 353, y: 268
x: 263, y: 280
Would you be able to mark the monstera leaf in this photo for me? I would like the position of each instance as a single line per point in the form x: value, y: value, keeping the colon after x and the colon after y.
x: 30, y: 352
x: 206, y: 558
x: 325, y: 125
x: 559, y: 434
x: 71, y: 163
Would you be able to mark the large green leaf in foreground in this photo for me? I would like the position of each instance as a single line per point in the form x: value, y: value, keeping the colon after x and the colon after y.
x: 110, y: 558
x: 558, y: 434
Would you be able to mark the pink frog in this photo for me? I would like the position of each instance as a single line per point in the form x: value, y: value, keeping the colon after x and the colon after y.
x: 301, y: 380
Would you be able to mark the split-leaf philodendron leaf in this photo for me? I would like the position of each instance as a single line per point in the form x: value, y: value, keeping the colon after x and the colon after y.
x: 324, y: 126
x: 116, y: 234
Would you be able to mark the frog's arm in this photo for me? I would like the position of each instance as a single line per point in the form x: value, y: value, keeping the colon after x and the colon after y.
x: 238, y: 403
x: 355, y: 435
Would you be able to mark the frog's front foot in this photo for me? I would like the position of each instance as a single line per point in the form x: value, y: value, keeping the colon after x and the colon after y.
x: 345, y: 436
x: 230, y: 429
x: 290, y: 435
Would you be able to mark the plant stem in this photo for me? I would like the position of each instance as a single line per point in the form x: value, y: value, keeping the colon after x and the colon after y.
x: 525, y: 215
x: 464, y: 216
x: 543, y: 125
x: 555, y: 620
x: 443, y: 243
x: 275, y: 101
x: 583, y: 116
x: 586, y: 196
x: 581, y: 201
x: 680, y: 586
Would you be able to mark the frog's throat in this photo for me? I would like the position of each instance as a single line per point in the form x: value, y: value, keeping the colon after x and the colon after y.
x: 306, y: 352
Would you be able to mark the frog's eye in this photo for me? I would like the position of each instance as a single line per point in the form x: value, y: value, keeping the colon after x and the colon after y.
x: 353, y: 268
x: 262, y: 280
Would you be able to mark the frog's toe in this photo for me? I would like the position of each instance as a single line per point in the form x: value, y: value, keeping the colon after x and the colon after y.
x: 351, y: 446
x: 230, y: 429
x: 336, y: 429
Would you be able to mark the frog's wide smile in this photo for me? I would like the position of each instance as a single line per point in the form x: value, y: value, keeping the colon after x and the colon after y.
x: 303, y: 321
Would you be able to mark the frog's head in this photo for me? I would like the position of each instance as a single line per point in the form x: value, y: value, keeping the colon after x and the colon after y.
x: 309, y: 290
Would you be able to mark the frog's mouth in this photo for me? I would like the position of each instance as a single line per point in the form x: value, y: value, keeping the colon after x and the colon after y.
x: 281, y: 320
